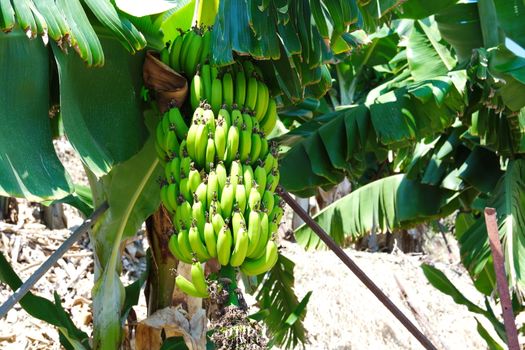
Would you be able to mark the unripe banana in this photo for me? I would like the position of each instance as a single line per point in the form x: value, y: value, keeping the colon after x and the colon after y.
x: 177, y: 123
x: 199, y: 216
x: 263, y: 97
x: 190, y: 139
x: 185, y: 166
x: 164, y: 197
x: 248, y: 178
x: 172, y: 195
x: 264, y: 263
x: 209, y: 118
x: 206, y: 81
x: 232, y: 143
x: 216, y: 95
x: 224, y: 244
x: 196, y: 91
x: 214, y: 73
x: 210, y: 239
x: 253, y: 230
x: 213, y: 187
x: 248, y: 67
x: 269, y: 162
x: 264, y: 146
x: 198, y: 278
x: 237, y: 221
x: 189, y: 288
x: 225, y: 116
x: 160, y: 137
x: 218, y: 222
x: 174, y: 169
x: 241, y: 197
x: 206, y: 47
x: 240, y: 88
x: 236, y: 172
x: 196, y: 244
x: 268, y: 201
x: 220, y: 139
x: 277, y: 214
x: 236, y: 118
x: 248, y: 120
x: 201, y: 140
x: 245, y: 144
x: 264, y: 235
x: 240, y: 249
x: 193, y: 54
x: 201, y: 193
x: 184, y: 243
x: 254, y: 198
x: 173, y: 246
x: 251, y: 93
x: 256, y: 147
x: 160, y: 154
x: 227, y: 198
x: 194, y: 178
x: 165, y: 123
x: 272, y: 181
x: 221, y: 177
x: 183, y: 150
x: 227, y: 89
x: 188, y: 37
x: 172, y: 145
x: 184, y: 187
x: 198, y: 114
x: 260, y: 178
x: 210, y: 153
x: 175, y: 51
x: 270, y: 118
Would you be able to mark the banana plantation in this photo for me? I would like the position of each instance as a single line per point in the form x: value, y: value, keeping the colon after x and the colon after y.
x: 207, y: 129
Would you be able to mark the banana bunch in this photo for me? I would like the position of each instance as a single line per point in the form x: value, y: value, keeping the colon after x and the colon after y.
x: 239, y: 86
x: 189, y: 50
x: 220, y: 177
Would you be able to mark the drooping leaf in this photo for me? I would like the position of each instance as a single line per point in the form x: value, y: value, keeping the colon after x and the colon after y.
x: 45, y: 310
x: 132, y: 194
x: 29, y: 166
x: 510, y: 14
x: 151, y: 7
x: 491, y: 342
x: 427, y: 57
x: 101, y: 108
x: 419, y: 9
x: 81, y: 198
x: 384, y: 205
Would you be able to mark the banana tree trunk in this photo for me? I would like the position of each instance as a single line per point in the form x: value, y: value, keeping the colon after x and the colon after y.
x: 161, y: 279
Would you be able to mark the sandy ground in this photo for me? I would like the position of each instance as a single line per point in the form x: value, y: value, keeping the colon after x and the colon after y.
x: 342, y: 313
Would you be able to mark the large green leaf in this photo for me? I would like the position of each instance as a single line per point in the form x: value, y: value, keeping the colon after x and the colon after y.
x: 427, y: 57
x: 101, y: 108
x: 510, y: 15
x: 43, y: 309
x: 143, y: 8
x: 419, y: 9
x: 29, y: 166
x: 133, y: 195
x: 504, y: 64
x: 384, y: 205
x: 508, y: 199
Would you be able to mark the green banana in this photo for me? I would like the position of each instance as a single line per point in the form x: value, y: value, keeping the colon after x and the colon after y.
x: 164, y: 197
x: 268, y: 201
x: 221, y: 177
x: 272, y: 181
x: 174, y: 169
x: 240, y: 88
x: 209, y: 118
x: 199, y: 217
x: 236, y: 172
x: 213, y: 186
x: 172, y: 145
x: 237, y: 221
x: 190, y: 139
x: 241, y: 197
x: 256, y: 147
x: 248, y: 178
x: 253, y: 230
x: 240, y: 249
x: 188, y: 37
x: 210, y: 153
x: 270, y: 118
x: 210, y: 239
x: 224, y: 244
x: 254, y: 198
x: 173, y: 246
x: 232, y: 143
x: 227, y: 198
x: 227, y: 89
x: 245, y: 143
x: 263, y: 237
x: 202, y: 193
x: 206, y: 47
x: 175, y: 50
x: 220, y: 139
x: 193, y: 55
x: 236, y: 118
x: 225, y: 116
x: 206, y: 81
x: 183, y: 241
x: 264, y: 145
x: 261, y: 104
x: 269, y: 163
x: 196, y: 91
x: 251, y: 93
x: 196, y: 244
x: 194, y: 178
x: 172, y: 195
x: 184, y: 187
x: 177, y: 123
x: 201, y: 140
x: 165, y: 56
x: 198, y: 278
x: 216, y: 95
x: 218, y: 222
x: 189, y: 288
x: 260, y: 178
x: 264, y: 263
